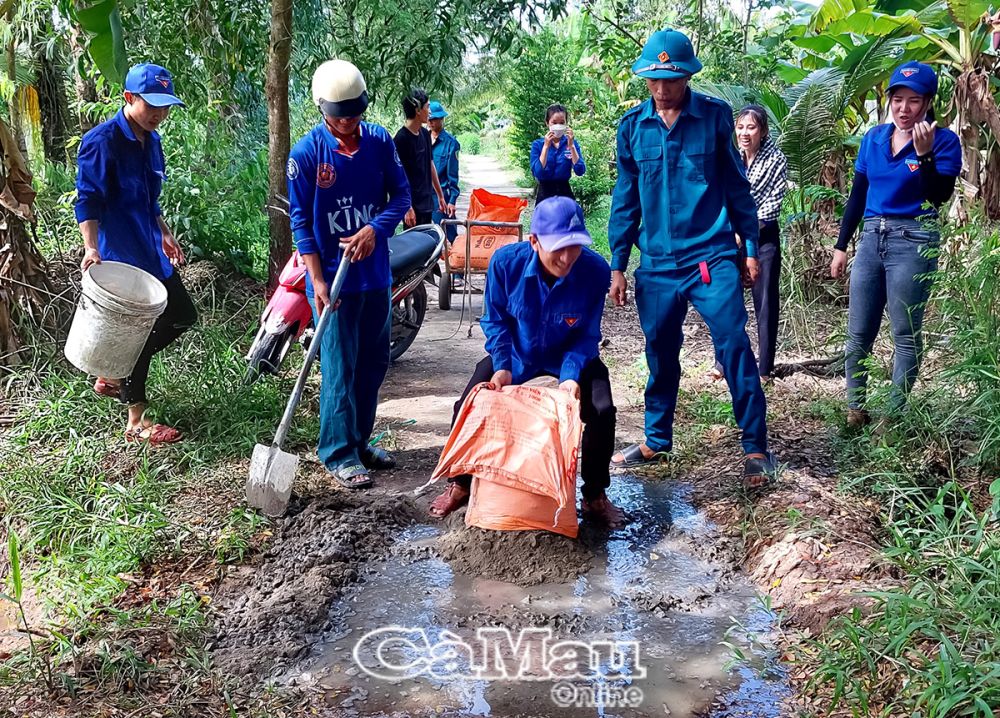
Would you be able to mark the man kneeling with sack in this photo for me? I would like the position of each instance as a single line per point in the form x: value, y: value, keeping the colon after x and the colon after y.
x: 543, y: 307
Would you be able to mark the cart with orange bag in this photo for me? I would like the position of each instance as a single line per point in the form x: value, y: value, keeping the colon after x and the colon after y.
x: 493, y: 221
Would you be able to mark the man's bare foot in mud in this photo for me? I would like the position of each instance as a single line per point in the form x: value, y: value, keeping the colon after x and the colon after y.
x: 601, y: 511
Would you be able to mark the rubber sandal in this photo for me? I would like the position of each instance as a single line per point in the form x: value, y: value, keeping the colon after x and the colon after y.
x: 153, y: 435
x: 602, y: 511
x: 377, y: 458
x: 350, y: 476
x: 632, y: 457
x: 759, y: 471
x: 453, y: 498
x: 106, y: 388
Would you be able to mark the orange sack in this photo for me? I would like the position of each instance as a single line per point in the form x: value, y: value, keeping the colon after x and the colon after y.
x: 521, y: 445
x: 487, y: 207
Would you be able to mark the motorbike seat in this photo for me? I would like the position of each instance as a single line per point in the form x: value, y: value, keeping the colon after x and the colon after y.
x: 409, y: 251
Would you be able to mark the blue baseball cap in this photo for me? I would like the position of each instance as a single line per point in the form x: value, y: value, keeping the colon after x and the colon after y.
x: 558, y: 223
x: 437, y: 111
x: 915, y: 75
x: 667, y: 55
x: 153, y: 83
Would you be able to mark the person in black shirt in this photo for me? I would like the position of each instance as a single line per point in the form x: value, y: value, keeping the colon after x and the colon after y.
x: 413, y: 144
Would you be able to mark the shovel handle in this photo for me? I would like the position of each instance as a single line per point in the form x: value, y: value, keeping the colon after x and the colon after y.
x: 300, y: 383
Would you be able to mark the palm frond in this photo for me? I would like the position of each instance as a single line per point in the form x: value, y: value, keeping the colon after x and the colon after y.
x: 809, y: 132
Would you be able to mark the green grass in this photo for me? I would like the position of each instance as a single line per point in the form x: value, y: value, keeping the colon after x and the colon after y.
x: 91, y: 511
x: 930, y: 647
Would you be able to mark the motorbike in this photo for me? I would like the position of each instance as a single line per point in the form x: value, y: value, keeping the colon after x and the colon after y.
x: 287, y: 318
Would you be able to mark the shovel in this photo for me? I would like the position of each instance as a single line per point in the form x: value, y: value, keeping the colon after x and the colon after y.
x: 272, y: 470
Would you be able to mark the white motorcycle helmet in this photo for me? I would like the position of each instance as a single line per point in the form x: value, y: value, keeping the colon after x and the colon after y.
x: 339, y: 89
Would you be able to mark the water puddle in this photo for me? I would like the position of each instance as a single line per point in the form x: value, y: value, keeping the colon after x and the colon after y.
x: 645, y: 624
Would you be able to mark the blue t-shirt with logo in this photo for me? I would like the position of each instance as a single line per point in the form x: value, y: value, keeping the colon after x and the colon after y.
x: 334, y: 193
x: 894, y: 181
x: 118, y: 183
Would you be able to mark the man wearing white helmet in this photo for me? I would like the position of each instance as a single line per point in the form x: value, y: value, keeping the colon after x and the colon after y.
x: 348, y: 192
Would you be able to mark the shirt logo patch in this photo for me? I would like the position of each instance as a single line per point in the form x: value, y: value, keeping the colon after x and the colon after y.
x: 292, y: 169
x: 326, y: 175
x: 165, y: 81
x: 663, y: 56
x: 571, y: 321
x: 395, y: 156
x: 909, y: 71
x: 912, y: 165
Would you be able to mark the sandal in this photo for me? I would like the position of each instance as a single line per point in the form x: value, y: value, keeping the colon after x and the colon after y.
x: 352, y: 476
x: 153, y: 435
x: 759, y: 471
x: 453, y: 498
x: 377, y: 458
x: 632, y: 457
x: 106, y: 388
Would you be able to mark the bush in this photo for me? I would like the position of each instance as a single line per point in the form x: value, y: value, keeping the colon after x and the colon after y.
x: 470, y: 143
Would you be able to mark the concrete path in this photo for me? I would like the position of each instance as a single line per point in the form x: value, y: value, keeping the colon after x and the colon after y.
x: 427, y: 380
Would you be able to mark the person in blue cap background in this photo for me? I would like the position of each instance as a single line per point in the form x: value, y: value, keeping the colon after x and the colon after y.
x: 902, y: 166
x: 556, y: 157
x: 543, y: 305
x: 681, y: 194
x: 120, y: 172
x: 445, y: 148
x: 347, y: 193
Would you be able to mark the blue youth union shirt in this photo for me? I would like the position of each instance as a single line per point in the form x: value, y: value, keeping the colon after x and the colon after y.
x: 118, y: 183
x: 558, y: 163
x: 533, y: 329
x: 446, y: 151
x: 894, y: 181
x: 333, y: 194
x: 681, y: 191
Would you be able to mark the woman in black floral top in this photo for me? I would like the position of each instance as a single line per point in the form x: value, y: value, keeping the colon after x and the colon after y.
x: 766, y: 169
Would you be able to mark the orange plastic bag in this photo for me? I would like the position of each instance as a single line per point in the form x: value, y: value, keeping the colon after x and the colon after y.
x: 486, y: 207
x: 521, y: 445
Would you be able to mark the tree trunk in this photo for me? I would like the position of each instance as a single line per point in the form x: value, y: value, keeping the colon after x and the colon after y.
x: 54, y: 106
x: 279, y: 140
x: 86, y: 91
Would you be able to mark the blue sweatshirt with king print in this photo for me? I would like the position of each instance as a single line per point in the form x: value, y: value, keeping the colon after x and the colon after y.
x: 334, y: 193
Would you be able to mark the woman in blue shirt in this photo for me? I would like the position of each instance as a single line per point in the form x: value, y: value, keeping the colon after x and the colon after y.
x: 556, y: 157
x: 902, y: 167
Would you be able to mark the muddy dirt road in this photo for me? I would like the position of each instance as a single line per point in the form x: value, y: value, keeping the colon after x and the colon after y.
x: 668, y: 586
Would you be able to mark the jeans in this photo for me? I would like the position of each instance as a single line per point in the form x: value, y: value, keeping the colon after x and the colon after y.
x: 662, y: 298
x: 890, y: 267
x: 354, y: 359
x: 178, y: 316
x: 597, y: 411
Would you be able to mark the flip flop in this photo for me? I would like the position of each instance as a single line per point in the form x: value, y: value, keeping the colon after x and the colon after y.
x: 632, y: 458
x: 377, y: 458
x: 453, y: 498
x: 106, y: 388
x: 759, y: 471
x: 153, y: 435
x: 352, y: 476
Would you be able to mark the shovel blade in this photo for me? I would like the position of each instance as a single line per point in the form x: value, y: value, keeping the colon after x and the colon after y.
x: 269, y: 485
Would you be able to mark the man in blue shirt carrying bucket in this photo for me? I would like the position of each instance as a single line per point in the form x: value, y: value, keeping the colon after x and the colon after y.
x: 543, y: 306
x: 120, y: 172
x: 347, y: 192
x: 680, y: 195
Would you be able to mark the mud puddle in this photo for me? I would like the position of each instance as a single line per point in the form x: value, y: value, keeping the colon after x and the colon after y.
x: 645, y: 618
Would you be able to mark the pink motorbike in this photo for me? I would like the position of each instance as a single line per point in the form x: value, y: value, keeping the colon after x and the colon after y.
x: 287, y: 318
